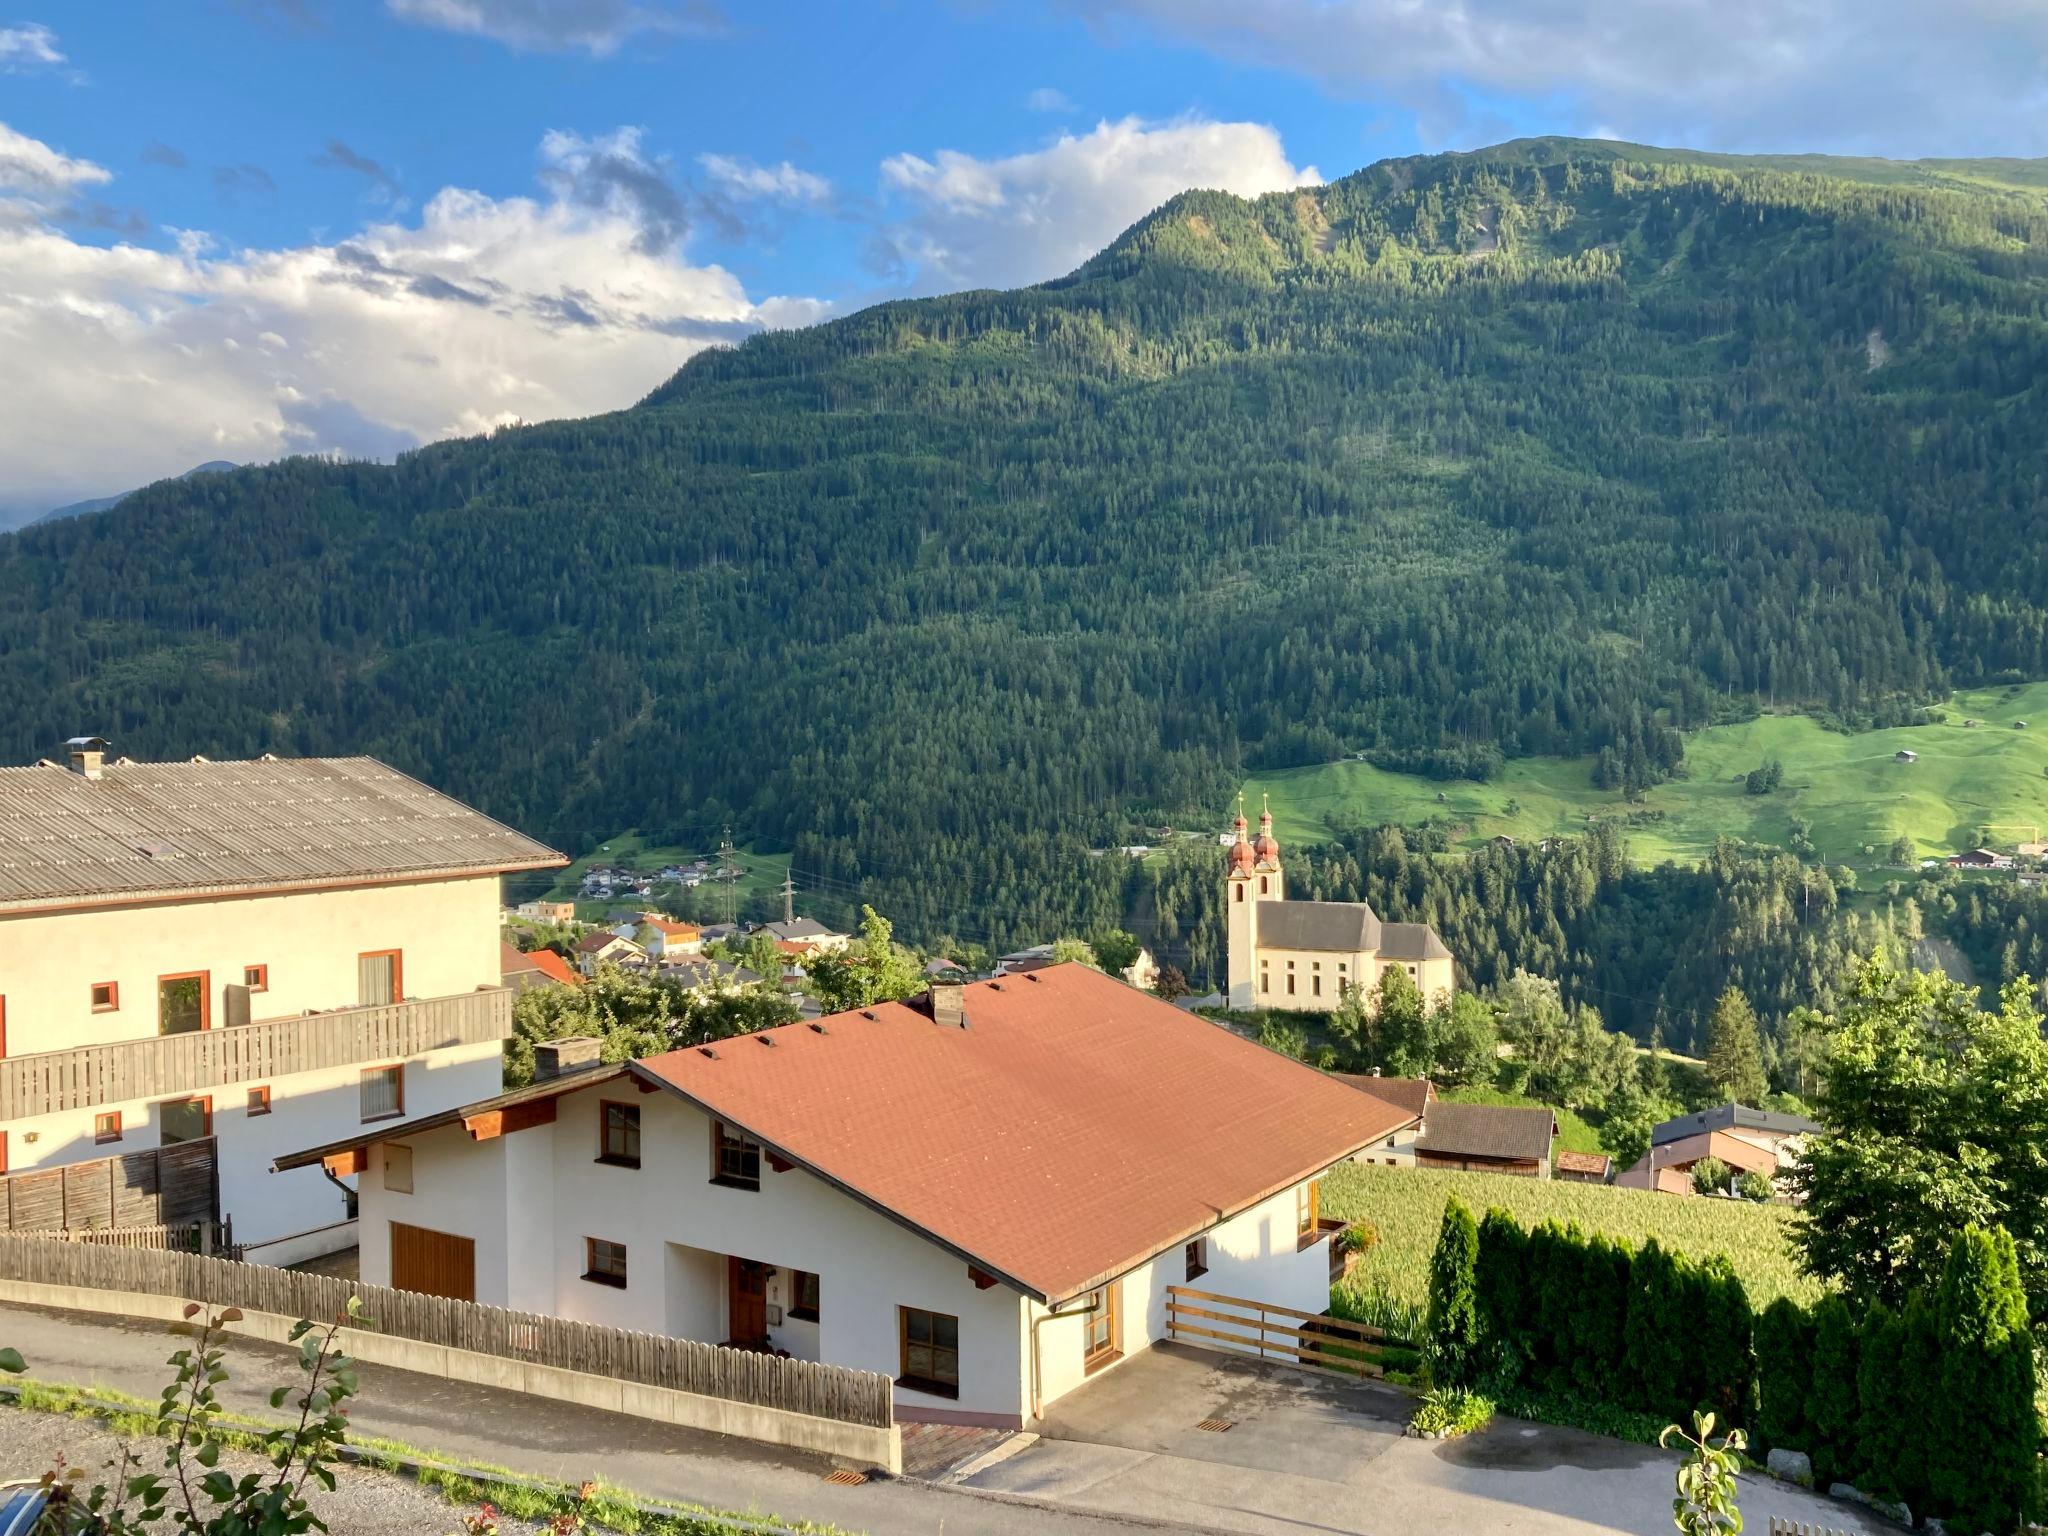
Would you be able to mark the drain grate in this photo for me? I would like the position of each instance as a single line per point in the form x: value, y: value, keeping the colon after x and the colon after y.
x: 1218, y: 1425
x: 846, y: 1477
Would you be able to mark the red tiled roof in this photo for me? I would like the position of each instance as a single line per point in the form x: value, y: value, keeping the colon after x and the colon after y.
x: 669, y: 930
x: 1075, y: 1127
x: 1408, y: 1093
x: 546, y: 961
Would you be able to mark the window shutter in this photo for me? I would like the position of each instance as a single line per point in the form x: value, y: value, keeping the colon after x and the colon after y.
x: 234, y: 1004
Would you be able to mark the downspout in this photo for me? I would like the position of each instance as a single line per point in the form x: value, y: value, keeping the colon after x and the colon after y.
x: 1036, y: 1323
x: 347, y: 1192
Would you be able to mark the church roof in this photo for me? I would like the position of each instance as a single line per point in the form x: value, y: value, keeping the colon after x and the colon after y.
x: 1411, y: 941
x: 1337, y: 925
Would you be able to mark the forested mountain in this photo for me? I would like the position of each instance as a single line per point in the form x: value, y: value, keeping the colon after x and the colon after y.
x: 1548, y: 448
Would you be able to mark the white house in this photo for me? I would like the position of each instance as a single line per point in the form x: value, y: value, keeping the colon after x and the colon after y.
x: 602, y: 947
x: 245, y: 954
x: 984, y: 1192
x: 807, y: 932
x: 1412, y: 1096
x: 1305, y: 955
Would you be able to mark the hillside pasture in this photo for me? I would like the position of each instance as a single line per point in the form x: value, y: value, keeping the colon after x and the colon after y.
x: 1850, y: 788
x: 1406, y: 1205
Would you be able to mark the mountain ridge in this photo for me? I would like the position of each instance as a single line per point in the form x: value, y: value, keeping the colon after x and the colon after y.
x: 1455, y: 458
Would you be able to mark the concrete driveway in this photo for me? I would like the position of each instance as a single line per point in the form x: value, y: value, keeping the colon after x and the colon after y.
x: 1306, y: 1453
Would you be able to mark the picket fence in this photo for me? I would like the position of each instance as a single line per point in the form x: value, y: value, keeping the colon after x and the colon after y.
x: 683, y: 1365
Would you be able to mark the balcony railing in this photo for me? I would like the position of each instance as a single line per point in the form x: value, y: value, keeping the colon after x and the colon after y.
x: 121, y: 1070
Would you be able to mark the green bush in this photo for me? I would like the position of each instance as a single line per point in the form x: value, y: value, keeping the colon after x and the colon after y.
x: 1882, y: 1429
x: 1710, y: 1176
x: 1452, y: 1411
x: 1452, y: 1322
x: 1831, y: 1397
x: 1985, y: 1478
x: 1917, y: 1397
x: 1784, y: 1367
x: 1719, y: 1325
x: 1755, y: 1186
x: 1600, y: 1321
x: 1501, y: 1283
x: 1653, y: 1366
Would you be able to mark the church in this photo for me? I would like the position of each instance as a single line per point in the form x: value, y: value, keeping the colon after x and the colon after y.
x: 1304, y: 954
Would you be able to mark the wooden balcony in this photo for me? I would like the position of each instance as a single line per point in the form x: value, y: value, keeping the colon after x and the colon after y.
x: 163, y: 1065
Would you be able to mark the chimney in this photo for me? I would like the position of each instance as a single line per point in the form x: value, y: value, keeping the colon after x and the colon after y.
x: 948, y: 1002
x: 88, y: 755
x: 559, y: 1058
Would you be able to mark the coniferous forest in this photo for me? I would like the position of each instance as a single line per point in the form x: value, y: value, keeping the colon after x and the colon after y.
x: 1556, y: 447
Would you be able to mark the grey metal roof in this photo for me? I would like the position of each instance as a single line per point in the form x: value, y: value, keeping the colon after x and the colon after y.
x: 800, y: 928
x: 1411, y: 941
x: 143, y: 831
x: 1487, y: 1130
x: 1341, y: 925
x: 1724, y: 1117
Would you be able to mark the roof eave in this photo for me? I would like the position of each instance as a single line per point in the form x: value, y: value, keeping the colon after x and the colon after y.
x: 540, y: 1088
x: 157, y: 897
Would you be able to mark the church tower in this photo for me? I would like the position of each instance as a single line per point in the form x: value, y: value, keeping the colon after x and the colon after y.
x: 1240, y: 909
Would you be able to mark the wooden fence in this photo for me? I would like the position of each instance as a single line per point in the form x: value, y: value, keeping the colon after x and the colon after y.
x: 157, y: 1065
x: 165, y: 1186
x: 214, y: 1237
x: 1308, y: 1339
x: 710, y: 1370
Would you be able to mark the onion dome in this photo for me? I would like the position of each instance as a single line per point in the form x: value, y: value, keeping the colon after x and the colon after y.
x: 1241, y: 855
x: 1267, y: 849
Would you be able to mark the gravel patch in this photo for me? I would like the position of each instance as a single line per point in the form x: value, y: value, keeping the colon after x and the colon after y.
x: 365, y: 1502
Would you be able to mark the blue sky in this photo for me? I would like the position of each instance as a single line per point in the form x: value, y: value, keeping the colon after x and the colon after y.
x: 241, y: 228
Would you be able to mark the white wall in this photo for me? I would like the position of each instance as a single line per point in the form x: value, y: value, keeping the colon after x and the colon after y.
x: 679, y: 1227
x: 447, y: 931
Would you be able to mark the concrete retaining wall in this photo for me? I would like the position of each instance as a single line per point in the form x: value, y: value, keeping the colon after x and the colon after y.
x: 858, y: 1443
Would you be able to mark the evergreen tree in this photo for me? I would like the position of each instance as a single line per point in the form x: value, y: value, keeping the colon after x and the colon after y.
x: 1451, y: 1324
x: 1985, y: 1474
x: 1501, y: 1293
x: 1735, y: 1050
x: 1784, y: 1373
x: 1882, y: 1428
x: 1832, y: 1402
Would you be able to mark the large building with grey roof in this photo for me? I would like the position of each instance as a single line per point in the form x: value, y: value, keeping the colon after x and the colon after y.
x: 203, y: 964
x: 1305, y: 955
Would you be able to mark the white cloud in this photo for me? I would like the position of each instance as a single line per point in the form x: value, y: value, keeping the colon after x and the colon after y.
x: 741, y: 177
x: 1033, y: 216
x: 130, y: 363
x: 1899, y: 77
x: 1048, y: 99
x: 555, y: 26
x: 31, y: 46
x: 30, y: 168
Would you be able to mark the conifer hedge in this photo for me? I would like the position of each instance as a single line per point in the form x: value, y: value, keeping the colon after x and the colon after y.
x: 1932, y: 1405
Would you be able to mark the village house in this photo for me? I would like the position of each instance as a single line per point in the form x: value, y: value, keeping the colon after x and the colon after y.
x: 1305, y: 955
x: 807, y: 934
x: 984, y: 1192
x: 1487, y: 1138
x: 521, y: 969
x: 205, y: 964
x: 546, y: 911
x: 1413, y: 1096
x: 1979, y: 858
x: 602, y: 947
x: 1745, y: 1140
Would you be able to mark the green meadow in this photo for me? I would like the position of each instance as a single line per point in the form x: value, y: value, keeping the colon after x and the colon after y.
x: 1850, y: 789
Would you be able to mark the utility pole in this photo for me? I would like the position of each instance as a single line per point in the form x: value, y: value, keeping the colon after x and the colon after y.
x: 788, y: 897
x: 728, y: 872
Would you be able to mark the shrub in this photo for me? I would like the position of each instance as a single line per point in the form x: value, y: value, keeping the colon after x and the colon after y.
x: 1709, y: 1176
x: 1719, y: 1324
x: 1652, y: 1365
x: 1984, y: 1480
x: 1881, y: 1428
x: 1452, y: 1321
x: 1755, y: 1186
x: 1599, y: 1322
x: 1500, y: 1281
x: 1452, y: 1411
x: 1831, y: 1397
x: 1784, y: 1368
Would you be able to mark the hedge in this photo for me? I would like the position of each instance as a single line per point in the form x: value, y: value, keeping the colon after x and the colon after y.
x: 1933, y: 1405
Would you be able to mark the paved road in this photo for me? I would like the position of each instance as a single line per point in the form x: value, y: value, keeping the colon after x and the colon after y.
x: 1311, y: 1454
x: 539, y: 1438
x: 1303, y: 1456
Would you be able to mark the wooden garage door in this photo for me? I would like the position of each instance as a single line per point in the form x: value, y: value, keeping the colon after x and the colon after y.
x: 436, y: 1263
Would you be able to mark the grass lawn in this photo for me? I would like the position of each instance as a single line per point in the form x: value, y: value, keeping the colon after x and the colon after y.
x: 761, y: 873
x: 1848, y: 787
x: 1407, y: 1207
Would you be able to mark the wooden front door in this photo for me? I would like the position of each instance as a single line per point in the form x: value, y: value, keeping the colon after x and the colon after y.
x: 433, y: 1263
x: 746, y: 1302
